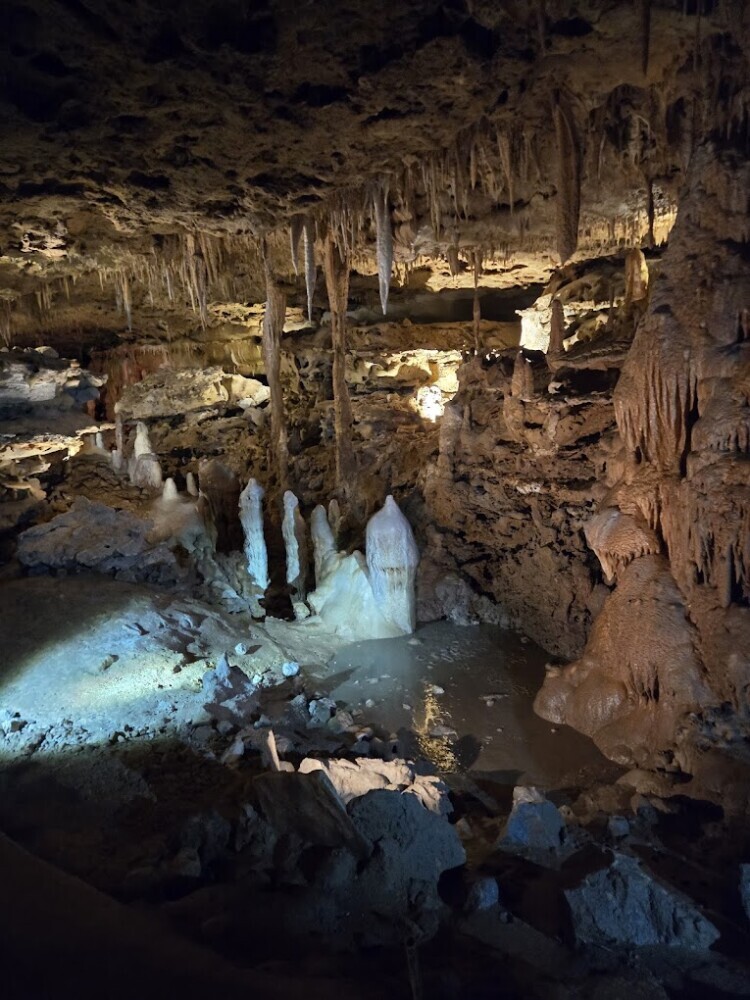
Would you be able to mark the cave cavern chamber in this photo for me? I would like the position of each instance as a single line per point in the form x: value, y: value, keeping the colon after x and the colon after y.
x: 375, y: 499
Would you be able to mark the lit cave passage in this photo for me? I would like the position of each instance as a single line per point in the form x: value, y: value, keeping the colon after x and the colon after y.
x: 375, y: 499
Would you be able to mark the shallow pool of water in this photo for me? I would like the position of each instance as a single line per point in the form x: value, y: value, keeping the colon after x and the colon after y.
x: 466, y: 694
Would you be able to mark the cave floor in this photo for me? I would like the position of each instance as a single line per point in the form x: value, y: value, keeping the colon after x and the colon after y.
x: 110, y: 766
x: 90, y: 661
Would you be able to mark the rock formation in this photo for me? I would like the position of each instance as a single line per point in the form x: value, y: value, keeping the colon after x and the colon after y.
x: 471, y: 278
x: 251, y: 518
x: 392, y: 560
x: 666, y: 646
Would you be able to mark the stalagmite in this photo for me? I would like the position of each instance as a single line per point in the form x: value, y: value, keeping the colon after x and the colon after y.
x: 522, y: 382
x: 557, y: 329
x: 99, y: 441
x: 384, y: 245
x: 118, y: 455
x: 294, y: 531
x: 392, y: 560
x: 273, y: 327
x: 324, y: 543
x: 142, y: 444
x: 145, y: 472
x: 636, y: 276
x: 251, y: 517
x: 337, y: 284
x: 308, y: 242
x: 169, y: 492
x: 190, y: 484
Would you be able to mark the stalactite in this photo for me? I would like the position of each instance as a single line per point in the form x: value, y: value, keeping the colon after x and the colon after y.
x: 337, y: 285
x: 568, y: 180
x: 295, y: 235
x: 308, y: 241
x: 384, y: 244
x: 503, y: 147
x: 273, y: 327
x: 645, y: 15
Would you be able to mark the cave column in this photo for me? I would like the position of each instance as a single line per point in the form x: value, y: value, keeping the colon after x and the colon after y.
x: 273, y: 326
x: 337, y: 285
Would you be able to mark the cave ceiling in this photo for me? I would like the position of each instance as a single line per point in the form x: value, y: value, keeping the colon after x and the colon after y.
x: 504, y: 136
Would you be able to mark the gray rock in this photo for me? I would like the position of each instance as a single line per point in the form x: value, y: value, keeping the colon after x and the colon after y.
x: 91, y: 537
x: 231, y: 697
x: 483, y: 895
x: 535, y: 829
x: 625, y: 904
x: 618, y: 827
x: 185, y: 864
x: 320, y: 710
x: 308, y: 806
x: 352, y: 779
x: 208, y: 834
x: 745, y: 888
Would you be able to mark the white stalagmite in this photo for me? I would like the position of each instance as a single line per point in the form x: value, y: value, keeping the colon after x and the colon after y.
x: 118, y: 455
x: 190, y: 484
x: 99, y: 440
x: 145, y: 471
x: 294, y: 530
x: 142, y: 441
x: 251, y: 518
x: 345, y: 603
x: 143, y: 467
x: 169, y: 492
x: 324, y: 544
x: 392, y: 560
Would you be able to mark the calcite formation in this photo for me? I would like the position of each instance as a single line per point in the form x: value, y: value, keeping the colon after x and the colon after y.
x: 674, y: 533
x: 392, y: 560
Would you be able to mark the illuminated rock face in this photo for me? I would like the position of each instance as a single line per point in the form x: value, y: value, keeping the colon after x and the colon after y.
x: 251, y: 518
x: 392, y: 560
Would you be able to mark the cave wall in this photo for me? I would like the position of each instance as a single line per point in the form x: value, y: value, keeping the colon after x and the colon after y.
x: 518, y: 474
x: 681, y: 505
